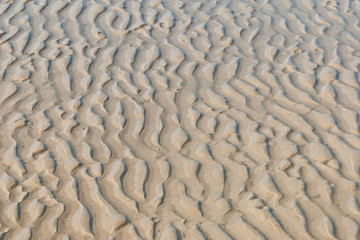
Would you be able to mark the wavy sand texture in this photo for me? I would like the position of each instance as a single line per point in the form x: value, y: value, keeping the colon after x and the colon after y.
x: 169, y: 119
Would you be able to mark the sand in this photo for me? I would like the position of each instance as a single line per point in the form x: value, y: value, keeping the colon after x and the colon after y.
x: 231, y: 119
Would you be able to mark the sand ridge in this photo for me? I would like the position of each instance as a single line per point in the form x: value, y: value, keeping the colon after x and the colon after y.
x: 179, y: 119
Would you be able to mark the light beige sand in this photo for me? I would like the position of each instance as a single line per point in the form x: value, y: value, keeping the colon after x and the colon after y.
x: 179, y: 119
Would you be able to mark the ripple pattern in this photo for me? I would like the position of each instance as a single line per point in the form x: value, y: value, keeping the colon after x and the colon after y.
x: 179, y: 119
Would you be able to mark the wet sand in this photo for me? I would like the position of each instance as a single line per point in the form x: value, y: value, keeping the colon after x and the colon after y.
x: 179, y: 119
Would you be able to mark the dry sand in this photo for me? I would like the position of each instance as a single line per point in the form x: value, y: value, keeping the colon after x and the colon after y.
x: 179, y: 119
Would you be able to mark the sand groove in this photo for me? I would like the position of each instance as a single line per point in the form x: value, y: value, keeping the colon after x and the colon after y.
x: 179, y: 119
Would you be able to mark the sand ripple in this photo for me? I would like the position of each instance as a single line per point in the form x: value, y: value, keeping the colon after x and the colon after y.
x: 179, y: 119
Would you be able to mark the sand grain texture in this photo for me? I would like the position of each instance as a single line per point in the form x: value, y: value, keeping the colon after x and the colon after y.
x: 179, y: 119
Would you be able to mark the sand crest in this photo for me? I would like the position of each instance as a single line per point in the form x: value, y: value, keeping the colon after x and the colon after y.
x: 169, y: 119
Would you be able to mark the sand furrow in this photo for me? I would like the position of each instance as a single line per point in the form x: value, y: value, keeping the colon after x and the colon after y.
x: 179, y: 119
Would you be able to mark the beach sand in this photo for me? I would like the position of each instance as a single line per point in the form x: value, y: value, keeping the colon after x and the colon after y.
x: 179, y: 119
